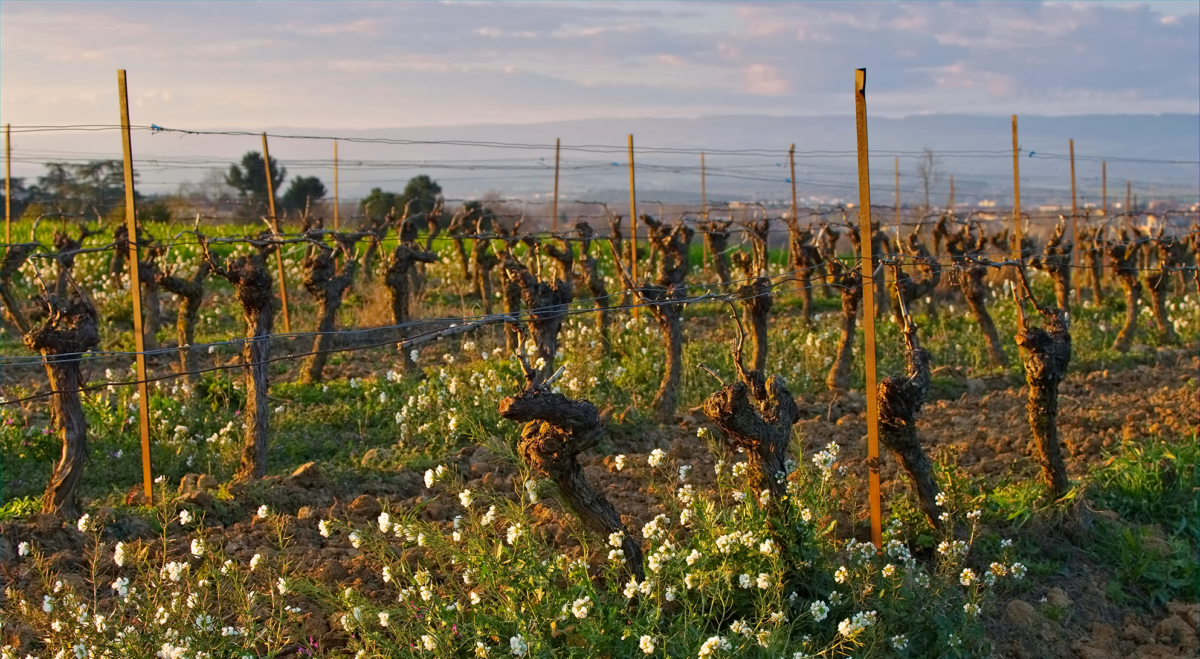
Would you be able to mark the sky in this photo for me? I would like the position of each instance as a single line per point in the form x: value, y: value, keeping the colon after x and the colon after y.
x: 363, y: 65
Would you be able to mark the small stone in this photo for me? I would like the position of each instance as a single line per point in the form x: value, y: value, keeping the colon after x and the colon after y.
x: 307, y: 475
x: 1056, y: 597
x: 364, y: 508
x: 1021, y: 614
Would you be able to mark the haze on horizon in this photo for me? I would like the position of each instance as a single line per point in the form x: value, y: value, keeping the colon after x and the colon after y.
x: 363, y: 65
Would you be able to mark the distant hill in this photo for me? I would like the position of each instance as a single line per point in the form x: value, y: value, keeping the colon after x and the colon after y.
x: 977, y: 150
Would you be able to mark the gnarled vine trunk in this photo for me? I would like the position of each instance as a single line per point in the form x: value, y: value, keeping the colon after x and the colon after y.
x: 590, y: 274
x: 1046, y: 352
x: 251, y: 278
x: 1158, y: 282
x: 68, y: 331
x: 900, y: 400
x: 966, y: 252
x: 849, y: 283
x: 191, y: 294
x: 1125, y: 265
x: 1056, y: 262
x: 716, y: 240
x: 397, y: 281
x: 325, y: 281
x: 557, y: 429
x: 546, y: 308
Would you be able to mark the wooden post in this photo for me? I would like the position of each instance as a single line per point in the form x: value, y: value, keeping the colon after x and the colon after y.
x: 792, y: 165
x: 868, y: 298
x: 704, y: 211
x: 1016, y: 247
x: 1104, y: 185
x: 554, y: 207
x: 1128, y: 190
x: 287, y: 326
x: 8, y: 184
x: 336, y: 197
x: 951, y: 193
x: 897, y: 163
x: 135, y: 288
x: 1075, y: 228
x: 633, y: 261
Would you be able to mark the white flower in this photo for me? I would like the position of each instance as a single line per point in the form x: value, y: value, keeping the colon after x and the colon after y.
x: 466, y: 498
x: 254, y: 561
x: 764, y: 580
x: 619, y: 462
x: 263, y: 512
x: 23, y: 550
x: 518, y: 645
x: 819, y: 610
x: 82, y: 524
x: 806, y: 515
x: 489, y: 516
x: 669, y: 593
x: 385, y: 522
x: 412, y: 354
x: 971, y: 609
x: 646, y: 644
x: 616, y: 554
x: 656, y: 457
x: 855, y: 624
x: 579, y: 608
x: 616, y: 539
x: 841, y: 575
x: 174, y: 570
x: 693, y: 557
x: 119, y: 554
x: 47, y: 603
x: 900, y: 642
x: 429, y: 642
x: 967, y: 577
x: 767, y: 547
x: 514, y: 533
x: 383, y: 619
x: 940, y: 499
x: 746, y: 581
x: 475, y: 598
x: 281, y: 586
x: 355, y: 539
x: 685, y: 471
x: 325, y: 528
x: 631, y: 588
x: 1018, y: 571
x: 197, y: 547
x: 889, y: 570
x: 713, y: 644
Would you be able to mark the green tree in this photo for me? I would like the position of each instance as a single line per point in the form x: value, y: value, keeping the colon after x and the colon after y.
x: 423, y: 192
x: 20, y: 196
x: 250, y: 179
x: 96, y: 186
x: 304, y: 190
x: 378, y: 203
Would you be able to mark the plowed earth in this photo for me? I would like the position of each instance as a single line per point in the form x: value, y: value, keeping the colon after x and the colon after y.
x: 987, y: 434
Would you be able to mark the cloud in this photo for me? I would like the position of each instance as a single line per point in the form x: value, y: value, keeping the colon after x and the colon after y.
x: 764, y: 79
x: 368, y: 64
